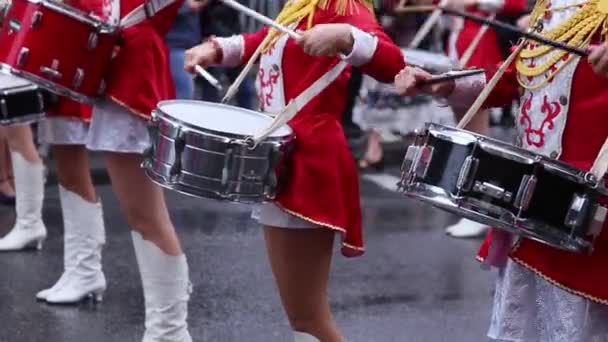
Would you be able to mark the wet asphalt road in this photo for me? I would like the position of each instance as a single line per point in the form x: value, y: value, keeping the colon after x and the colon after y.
x: 413, y: 284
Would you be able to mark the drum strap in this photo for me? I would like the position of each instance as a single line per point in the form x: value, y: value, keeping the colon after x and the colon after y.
x: 144, y: 11
x: 296, y: 104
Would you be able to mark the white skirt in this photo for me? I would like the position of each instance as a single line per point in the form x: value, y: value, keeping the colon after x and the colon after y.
x: 527, y: 308
x: 112, y: 129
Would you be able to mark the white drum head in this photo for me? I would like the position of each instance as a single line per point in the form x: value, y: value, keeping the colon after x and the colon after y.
x: 10, y: 81
x: 220, y: 118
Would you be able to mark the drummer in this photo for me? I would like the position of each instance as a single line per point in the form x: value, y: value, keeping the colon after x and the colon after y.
x: 138, y: 80
x: 543, y: 293
x: 321, y: 195
x: 486, y: 54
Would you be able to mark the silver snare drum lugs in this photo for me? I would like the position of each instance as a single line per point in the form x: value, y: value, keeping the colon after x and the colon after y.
x: 198, y: 148
x: 504, y: 186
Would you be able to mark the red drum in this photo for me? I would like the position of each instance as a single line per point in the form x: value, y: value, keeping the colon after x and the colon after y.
x: 57, y: 47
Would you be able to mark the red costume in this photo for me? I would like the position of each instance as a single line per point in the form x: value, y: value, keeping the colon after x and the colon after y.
x: 322, y: 185
x: 487, y: 53
x: 577, y: 93
x: 140, y: 75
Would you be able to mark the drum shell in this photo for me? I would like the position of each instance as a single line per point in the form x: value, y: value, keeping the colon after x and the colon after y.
x: 21, y: 103
x: 500, y: 166
x: 214, y: 165
x: 57, y: 47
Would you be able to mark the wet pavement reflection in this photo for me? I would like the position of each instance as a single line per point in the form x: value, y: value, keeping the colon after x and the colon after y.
x: 413, y: 284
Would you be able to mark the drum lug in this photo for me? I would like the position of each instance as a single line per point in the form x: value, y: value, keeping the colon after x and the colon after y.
x: 228, y: 157
x: 23, y: 56
x: 148, y: 154
x: 102, y: 88
x: 93, y: 41
x: 270, y: 179
x: 467, y: 174
x: 78, y: 77
x: 597, y: 222
x: 52, y: 72
x: 416, y: 163
x: 577, y: 212
x: 525, y: 192
x: 179, y: 145
x: 36, y: 19
x: 4, y: 108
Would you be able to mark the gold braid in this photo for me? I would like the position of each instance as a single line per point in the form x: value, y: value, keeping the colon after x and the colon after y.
x: 296, y: 10
x: 577, y: 30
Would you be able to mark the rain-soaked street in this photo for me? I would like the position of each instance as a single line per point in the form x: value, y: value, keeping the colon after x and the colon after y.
x: 413, y: 284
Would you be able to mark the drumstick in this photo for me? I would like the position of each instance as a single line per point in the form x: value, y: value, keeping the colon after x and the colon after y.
x: 255, y: 15
x: 506, y: 27
x: 206, y: 75
x: 428, y: 25
x: 474, y: 109
x: 450, y: 76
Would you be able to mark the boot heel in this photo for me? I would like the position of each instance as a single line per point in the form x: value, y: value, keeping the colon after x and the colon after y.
x: 97, y: 296
x: 39, y: 244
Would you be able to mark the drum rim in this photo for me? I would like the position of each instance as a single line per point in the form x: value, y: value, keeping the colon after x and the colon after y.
x: 79, y: 15
x: 158, y: 109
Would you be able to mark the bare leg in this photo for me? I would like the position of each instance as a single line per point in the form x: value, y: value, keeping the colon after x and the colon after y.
x: 480, y: 122
x: 73, y: 170
x: 142, y: 201
x: 21, y: 140
x: 300, y: 260
x: 6, y: 174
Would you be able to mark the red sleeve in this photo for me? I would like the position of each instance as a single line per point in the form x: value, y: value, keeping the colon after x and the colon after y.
x: 252, y: 41
x: 387, y: 60
x: 505, y: 91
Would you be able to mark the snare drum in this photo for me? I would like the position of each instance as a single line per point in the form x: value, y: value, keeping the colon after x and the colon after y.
x: 57, y: 47
x: 21, y: 102
x: 498, y: 184
x: 198, y: 148
x: 430, y: 61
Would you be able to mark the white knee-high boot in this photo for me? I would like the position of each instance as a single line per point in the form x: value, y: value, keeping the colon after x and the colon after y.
x: 29, y: 230
x: 84, y: 237
x: 304, y: 337
x: 167, y: 289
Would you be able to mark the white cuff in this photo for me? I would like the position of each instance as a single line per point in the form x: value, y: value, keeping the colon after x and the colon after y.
x: 364, y: 47
x: 466, y: 90
x: 233, y: 49
x: 490, y: 5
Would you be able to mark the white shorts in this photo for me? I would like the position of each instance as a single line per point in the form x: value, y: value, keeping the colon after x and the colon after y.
x: 112, y: 129
x: 269, y: 214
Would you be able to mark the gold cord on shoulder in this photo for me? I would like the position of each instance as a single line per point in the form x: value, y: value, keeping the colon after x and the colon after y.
x: 577, y: 30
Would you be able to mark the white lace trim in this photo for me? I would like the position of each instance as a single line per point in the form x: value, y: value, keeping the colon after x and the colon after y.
x: 466, y: 90
x: 233, y: 49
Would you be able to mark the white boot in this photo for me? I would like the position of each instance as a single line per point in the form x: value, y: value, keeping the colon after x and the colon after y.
x: 167, y: 290
x: 466, y: 229
x: 29, y: 230
x: 304, y: 337
x: 84, y: 237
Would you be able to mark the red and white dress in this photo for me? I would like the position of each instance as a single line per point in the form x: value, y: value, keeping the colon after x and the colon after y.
x: 139, y: 78
x: 322, y: 188
x: 546, y: 294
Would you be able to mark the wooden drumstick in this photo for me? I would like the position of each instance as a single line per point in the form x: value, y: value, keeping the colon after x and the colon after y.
x: 474, y: 109
x: 428, y: 25
x: 207, y: 76
x: 600, y: 165
x: 260, y: 17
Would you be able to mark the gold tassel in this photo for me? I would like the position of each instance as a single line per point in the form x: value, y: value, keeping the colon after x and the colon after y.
x: 296, y: 10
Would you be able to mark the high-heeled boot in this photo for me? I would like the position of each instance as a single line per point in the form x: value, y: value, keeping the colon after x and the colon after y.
x: 29, y: 230
x: 84, y: 237
x: 167, y: 289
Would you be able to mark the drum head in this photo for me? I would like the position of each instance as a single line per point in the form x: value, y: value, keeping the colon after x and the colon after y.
x: 220, y: 118
x: 8, y: 81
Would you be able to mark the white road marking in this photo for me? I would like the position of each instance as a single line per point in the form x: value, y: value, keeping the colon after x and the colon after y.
x: 383, y: 180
